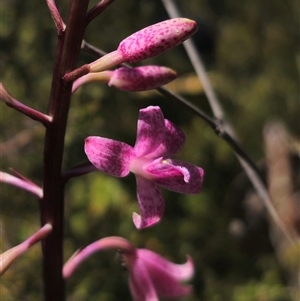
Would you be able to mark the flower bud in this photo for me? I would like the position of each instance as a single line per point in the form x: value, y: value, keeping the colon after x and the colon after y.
x: 141, y: 78
x: 147, y: 42
x: 156, y: 39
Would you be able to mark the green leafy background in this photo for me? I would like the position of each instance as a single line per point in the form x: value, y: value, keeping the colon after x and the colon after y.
x: 250, y: 49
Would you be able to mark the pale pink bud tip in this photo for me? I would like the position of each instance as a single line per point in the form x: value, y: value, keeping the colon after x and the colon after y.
x: 141, y: 78
x: 156, y: 39
x: 5, y: 95
x: 8, y: 257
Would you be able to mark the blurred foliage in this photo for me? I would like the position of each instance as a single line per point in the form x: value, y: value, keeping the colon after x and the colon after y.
x: 252, y: 55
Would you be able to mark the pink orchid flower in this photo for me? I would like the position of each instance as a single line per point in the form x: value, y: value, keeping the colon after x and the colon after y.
x: 150, y: 275
x: 157, y: 140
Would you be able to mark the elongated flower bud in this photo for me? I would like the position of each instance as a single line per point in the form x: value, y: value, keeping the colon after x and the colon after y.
x: 141, y: 78
x: 147, y: 42
x: 156, y: 39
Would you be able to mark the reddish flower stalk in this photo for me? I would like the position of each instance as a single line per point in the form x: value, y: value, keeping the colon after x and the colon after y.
x: 52, y: 204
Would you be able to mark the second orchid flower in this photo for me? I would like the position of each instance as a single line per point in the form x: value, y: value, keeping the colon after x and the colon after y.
x: 157, y: 140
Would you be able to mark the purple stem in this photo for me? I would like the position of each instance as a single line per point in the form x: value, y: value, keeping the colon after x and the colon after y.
x: 52, y: 204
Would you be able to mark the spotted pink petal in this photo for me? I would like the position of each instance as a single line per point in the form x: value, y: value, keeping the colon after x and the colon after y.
x: 141, y: 78
x: 163, y: 274
x: 151, y: 203
x: 176, y: 175
x: 140, y: 283
x: 157, y: 38
x: 150, y: 130
x: 173, y: 141
x: 181, y: 272
x: 110, y: 156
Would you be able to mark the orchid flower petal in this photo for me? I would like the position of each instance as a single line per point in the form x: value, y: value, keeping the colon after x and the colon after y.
x: 140, y: 284
x: 173, y: 141
x: 151, y: 203
x: 176, y: 175
x: 170, y: 288
x: 110, y: 156
x: 165, y: 281
x: 150, y: 130
x: 181, y: 272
